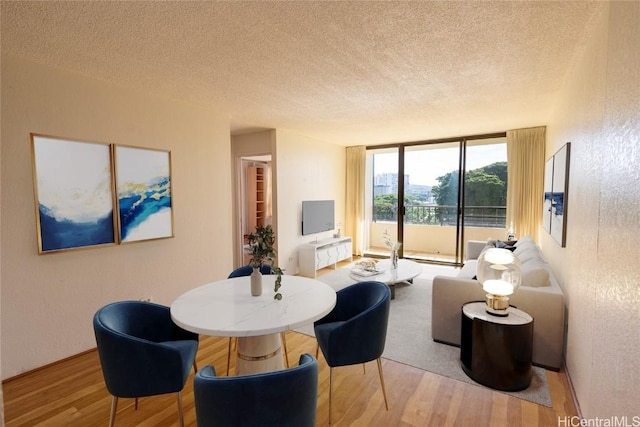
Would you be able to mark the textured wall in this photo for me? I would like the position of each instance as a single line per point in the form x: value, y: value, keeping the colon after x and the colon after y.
x: 599, y: 268
x: 48, y: 301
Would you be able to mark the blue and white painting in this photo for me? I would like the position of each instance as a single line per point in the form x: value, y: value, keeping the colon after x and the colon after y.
x: 74, y: 193
x: 547, y: 207
x: 559, y: 194
x: 143, y: 178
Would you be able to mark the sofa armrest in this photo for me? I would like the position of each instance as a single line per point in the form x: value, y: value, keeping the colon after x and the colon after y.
x: 546, y: 306
x: 474, y: 248
x: 448, y: 296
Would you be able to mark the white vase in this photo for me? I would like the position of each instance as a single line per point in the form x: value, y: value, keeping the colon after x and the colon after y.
x: 256, y: 282
x: 394, y: 259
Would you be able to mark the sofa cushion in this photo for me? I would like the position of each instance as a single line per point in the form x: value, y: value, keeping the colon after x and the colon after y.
x: 528, y: 254
x: 526, y: 240
x: 534, y: 274
x: 524, y: 246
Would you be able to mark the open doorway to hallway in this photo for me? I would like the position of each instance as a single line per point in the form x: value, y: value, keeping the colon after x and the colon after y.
x: 256, y: 201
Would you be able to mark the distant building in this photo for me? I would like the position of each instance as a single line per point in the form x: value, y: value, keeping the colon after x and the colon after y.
x: 388, y: 183
x: 420, y: 192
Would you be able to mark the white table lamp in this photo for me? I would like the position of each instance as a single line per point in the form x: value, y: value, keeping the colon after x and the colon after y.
x: 499, y: 274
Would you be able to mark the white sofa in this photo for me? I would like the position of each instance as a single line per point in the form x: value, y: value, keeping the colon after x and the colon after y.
x: 539, y: 295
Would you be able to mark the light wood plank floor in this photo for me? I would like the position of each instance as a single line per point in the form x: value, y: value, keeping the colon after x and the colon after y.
x: 72, y: 393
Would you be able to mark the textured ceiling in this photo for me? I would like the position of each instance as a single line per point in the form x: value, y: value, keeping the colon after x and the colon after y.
x: 343, y: 72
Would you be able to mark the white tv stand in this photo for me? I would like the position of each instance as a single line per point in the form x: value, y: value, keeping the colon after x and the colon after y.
x: 323, y: 253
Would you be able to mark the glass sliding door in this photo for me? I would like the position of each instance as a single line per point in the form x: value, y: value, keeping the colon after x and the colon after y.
x: 382, y: 187
x: 421, y: 209
x: 485, y: 190
x: 428, y: 209
x: 432, y: 197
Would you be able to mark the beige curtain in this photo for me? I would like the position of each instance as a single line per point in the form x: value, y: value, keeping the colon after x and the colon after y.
x: 355, y: 175
x: 525, y: 156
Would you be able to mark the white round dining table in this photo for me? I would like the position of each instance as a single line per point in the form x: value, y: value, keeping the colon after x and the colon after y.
x: 227, y: 308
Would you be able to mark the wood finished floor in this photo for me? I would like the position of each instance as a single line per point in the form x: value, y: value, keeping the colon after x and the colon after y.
x: 72, y: 393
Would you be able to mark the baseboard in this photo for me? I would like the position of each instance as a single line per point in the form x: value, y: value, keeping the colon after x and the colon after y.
x: 20, y: 375
x: 572, y: 390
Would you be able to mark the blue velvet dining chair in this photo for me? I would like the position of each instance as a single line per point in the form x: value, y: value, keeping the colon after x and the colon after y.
x: 246, y: 271
x: 142, y: 352
x: 284, y: 398
x: 355, y: 330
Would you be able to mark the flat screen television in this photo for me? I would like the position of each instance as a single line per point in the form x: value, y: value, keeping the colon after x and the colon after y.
x: 317, y: 216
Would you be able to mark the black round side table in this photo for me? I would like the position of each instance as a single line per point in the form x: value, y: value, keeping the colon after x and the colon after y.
x: 495, y: 351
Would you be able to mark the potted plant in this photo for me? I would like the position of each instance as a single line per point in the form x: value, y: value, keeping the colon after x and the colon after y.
x: 261, y: 250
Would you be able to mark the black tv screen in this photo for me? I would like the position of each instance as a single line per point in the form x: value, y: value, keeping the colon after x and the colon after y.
x: 317, y: 216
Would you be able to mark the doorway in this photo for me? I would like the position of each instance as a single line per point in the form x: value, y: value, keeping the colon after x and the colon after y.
x: 256, y: 201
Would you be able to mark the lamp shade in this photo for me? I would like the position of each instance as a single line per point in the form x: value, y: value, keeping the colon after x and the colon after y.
x: 498, y: 272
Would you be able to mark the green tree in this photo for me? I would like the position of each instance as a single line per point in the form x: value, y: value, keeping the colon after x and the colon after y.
x: 498, y: 169
x: 485, y: 186
x: 446, y: 192
x: 392, y: 199
x: 483, y: 189
x: 386, y: 206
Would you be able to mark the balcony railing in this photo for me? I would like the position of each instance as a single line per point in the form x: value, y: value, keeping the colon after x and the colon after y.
x: 474, y: 216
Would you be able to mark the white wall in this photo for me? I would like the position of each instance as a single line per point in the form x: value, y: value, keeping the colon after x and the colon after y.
x: 599, y: 268
x: 306, y: 169
x: 48, y: 301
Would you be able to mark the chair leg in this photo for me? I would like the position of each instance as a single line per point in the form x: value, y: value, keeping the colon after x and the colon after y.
x: 195, y: 367
x: 364, y: 369
x: 284, y: 346
x: 229, y: 355
x: 135, y: 406
x: 114, y: 408
x: 180, y: 412
x: 330, y: 390
x: 317, y: 348
x: 384, y: 392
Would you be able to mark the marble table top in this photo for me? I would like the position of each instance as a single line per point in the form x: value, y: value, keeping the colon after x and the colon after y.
x: 226, y: 307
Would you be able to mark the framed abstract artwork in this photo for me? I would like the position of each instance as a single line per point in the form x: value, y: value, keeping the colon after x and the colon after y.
x: 548, y: 195
x: 555, y: 202
x: 73, y: 187
x: 143, y: 192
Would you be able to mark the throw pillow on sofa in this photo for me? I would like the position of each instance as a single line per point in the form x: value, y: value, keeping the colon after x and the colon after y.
x: 502, y: 245
x: 494, y: 243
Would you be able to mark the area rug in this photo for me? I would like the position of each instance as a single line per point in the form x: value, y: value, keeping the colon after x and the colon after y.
x: 409, y: 333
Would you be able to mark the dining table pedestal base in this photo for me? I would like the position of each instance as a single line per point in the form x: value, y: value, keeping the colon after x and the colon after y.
x: 259, y: 354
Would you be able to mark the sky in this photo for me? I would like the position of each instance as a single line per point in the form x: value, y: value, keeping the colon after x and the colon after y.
x: 424, y: 165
